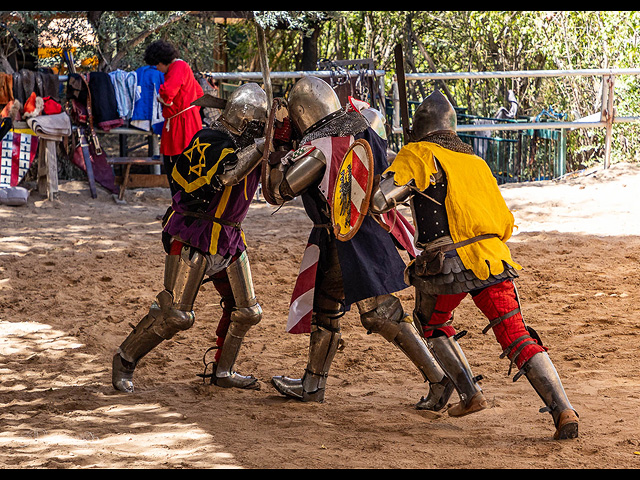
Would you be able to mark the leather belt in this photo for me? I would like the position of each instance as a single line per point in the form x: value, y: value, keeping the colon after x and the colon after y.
x: 211, y: 218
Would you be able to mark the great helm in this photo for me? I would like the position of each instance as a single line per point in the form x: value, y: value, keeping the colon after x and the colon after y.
x: 247, y: 103
x: 310, y: 100
x: 435, y: 114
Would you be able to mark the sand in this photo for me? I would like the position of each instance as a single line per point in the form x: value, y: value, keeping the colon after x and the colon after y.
x: 76, y: 272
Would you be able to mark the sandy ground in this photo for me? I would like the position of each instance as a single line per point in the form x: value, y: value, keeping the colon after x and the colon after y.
x: 74, y: 273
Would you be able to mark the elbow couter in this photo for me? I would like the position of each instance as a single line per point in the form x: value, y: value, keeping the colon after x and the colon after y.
x: 378, y: 203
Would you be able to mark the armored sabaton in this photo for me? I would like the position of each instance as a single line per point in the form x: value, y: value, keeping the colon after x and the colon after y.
x: 439, y: 271
x: 316, y: 113
x: 172, y: 311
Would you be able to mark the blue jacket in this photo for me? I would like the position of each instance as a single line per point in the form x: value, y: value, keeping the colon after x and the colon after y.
x: 149, y: 81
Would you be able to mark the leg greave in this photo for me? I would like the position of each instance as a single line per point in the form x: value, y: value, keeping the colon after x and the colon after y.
x: 323, y: 344
x: 170, y: 313
x: 172, y: 310
x: 453, y: 361
x: 247, y: 313
x: 545, y: 380
x: 325, y: 335
x: 384, y: 315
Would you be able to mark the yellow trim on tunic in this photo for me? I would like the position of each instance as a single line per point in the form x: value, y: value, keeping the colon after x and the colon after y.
x: 217, y: 227
x: 474, y: 203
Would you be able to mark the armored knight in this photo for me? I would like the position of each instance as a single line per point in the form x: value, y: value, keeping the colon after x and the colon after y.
x: 462, y: 226
x: 365, y: 270
x: 217, y: 178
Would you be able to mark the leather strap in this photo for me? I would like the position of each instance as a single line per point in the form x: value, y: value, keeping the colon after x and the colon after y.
x: 453, y: 246
x: 211, y: 218
x: 496, y: 321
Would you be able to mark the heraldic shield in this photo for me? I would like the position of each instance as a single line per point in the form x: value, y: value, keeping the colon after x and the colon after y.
x: 352, y: 191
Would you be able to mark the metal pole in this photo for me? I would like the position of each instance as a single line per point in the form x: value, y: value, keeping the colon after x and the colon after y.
x: 522, y: 74
x: 248, y: 76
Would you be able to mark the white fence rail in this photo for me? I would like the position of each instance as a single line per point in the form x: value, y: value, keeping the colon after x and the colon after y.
x: 604, y: 119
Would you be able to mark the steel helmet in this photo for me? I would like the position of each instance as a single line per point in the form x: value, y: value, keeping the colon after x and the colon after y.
x: 435, y: 114
x: 310, y: 100
x: 247, y: 103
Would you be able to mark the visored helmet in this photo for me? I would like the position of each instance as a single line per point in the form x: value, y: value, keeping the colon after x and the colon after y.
x: 246, y: 104
x: 435, y: 114
x: 310, y: 100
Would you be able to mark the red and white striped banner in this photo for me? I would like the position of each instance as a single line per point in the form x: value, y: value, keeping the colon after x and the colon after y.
x: 301, y: 307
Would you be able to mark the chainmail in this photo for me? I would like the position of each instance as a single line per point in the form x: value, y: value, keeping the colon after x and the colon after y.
x: 448, y: 140
x: 252, y: 131
x: 342, y: 125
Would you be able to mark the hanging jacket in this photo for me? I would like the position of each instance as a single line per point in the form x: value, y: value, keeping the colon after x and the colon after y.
x: 103, y: 101
x: 147, y: 111
x: 125, y: 87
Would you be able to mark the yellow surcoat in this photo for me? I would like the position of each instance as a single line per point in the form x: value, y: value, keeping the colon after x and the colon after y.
x: 474, y: 203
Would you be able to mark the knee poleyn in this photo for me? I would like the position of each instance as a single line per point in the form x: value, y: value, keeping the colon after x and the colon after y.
x: 386, y: 319
x: 247, y: 316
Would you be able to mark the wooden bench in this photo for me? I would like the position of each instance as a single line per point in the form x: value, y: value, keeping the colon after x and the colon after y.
x: 123, y: 134
x: 133, y: 180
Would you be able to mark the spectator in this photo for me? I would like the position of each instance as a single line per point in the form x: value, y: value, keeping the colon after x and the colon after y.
x: 176, y: 94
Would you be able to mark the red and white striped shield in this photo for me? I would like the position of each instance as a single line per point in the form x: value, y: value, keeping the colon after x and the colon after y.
x: 352, y: 191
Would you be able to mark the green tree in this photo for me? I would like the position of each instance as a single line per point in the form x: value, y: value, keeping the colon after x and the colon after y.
x: 439, y: 41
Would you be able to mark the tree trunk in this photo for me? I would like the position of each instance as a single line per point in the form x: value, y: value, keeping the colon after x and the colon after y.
x: 310, y: 50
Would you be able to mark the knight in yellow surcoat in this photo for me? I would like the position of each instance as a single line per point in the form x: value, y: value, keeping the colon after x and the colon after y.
x: 462, y: 226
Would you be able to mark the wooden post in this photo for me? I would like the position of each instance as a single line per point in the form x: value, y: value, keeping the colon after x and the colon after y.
x: 608, y: 115
x: 48, y: 166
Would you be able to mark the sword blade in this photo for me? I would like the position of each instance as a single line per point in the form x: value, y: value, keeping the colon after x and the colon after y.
x: 264, y: 63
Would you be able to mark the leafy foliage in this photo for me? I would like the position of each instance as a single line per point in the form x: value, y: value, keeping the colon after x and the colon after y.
x: 452, y: 40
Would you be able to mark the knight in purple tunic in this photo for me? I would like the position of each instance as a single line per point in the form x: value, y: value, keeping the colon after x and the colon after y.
x: 216, y: 178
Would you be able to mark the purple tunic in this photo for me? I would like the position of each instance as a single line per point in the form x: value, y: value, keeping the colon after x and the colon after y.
x: 195, y: 173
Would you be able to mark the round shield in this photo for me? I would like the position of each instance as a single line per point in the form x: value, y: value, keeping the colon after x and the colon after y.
x: 352, y: 191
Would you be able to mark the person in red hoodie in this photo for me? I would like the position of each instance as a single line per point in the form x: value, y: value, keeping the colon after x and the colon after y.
x: 176, y: 94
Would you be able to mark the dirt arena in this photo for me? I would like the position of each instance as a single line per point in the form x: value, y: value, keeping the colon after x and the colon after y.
x: 76, y: 272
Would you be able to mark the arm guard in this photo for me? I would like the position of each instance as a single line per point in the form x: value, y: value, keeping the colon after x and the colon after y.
x: 248, y: 159
x: 387, y: 194
x: 298, y: 174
